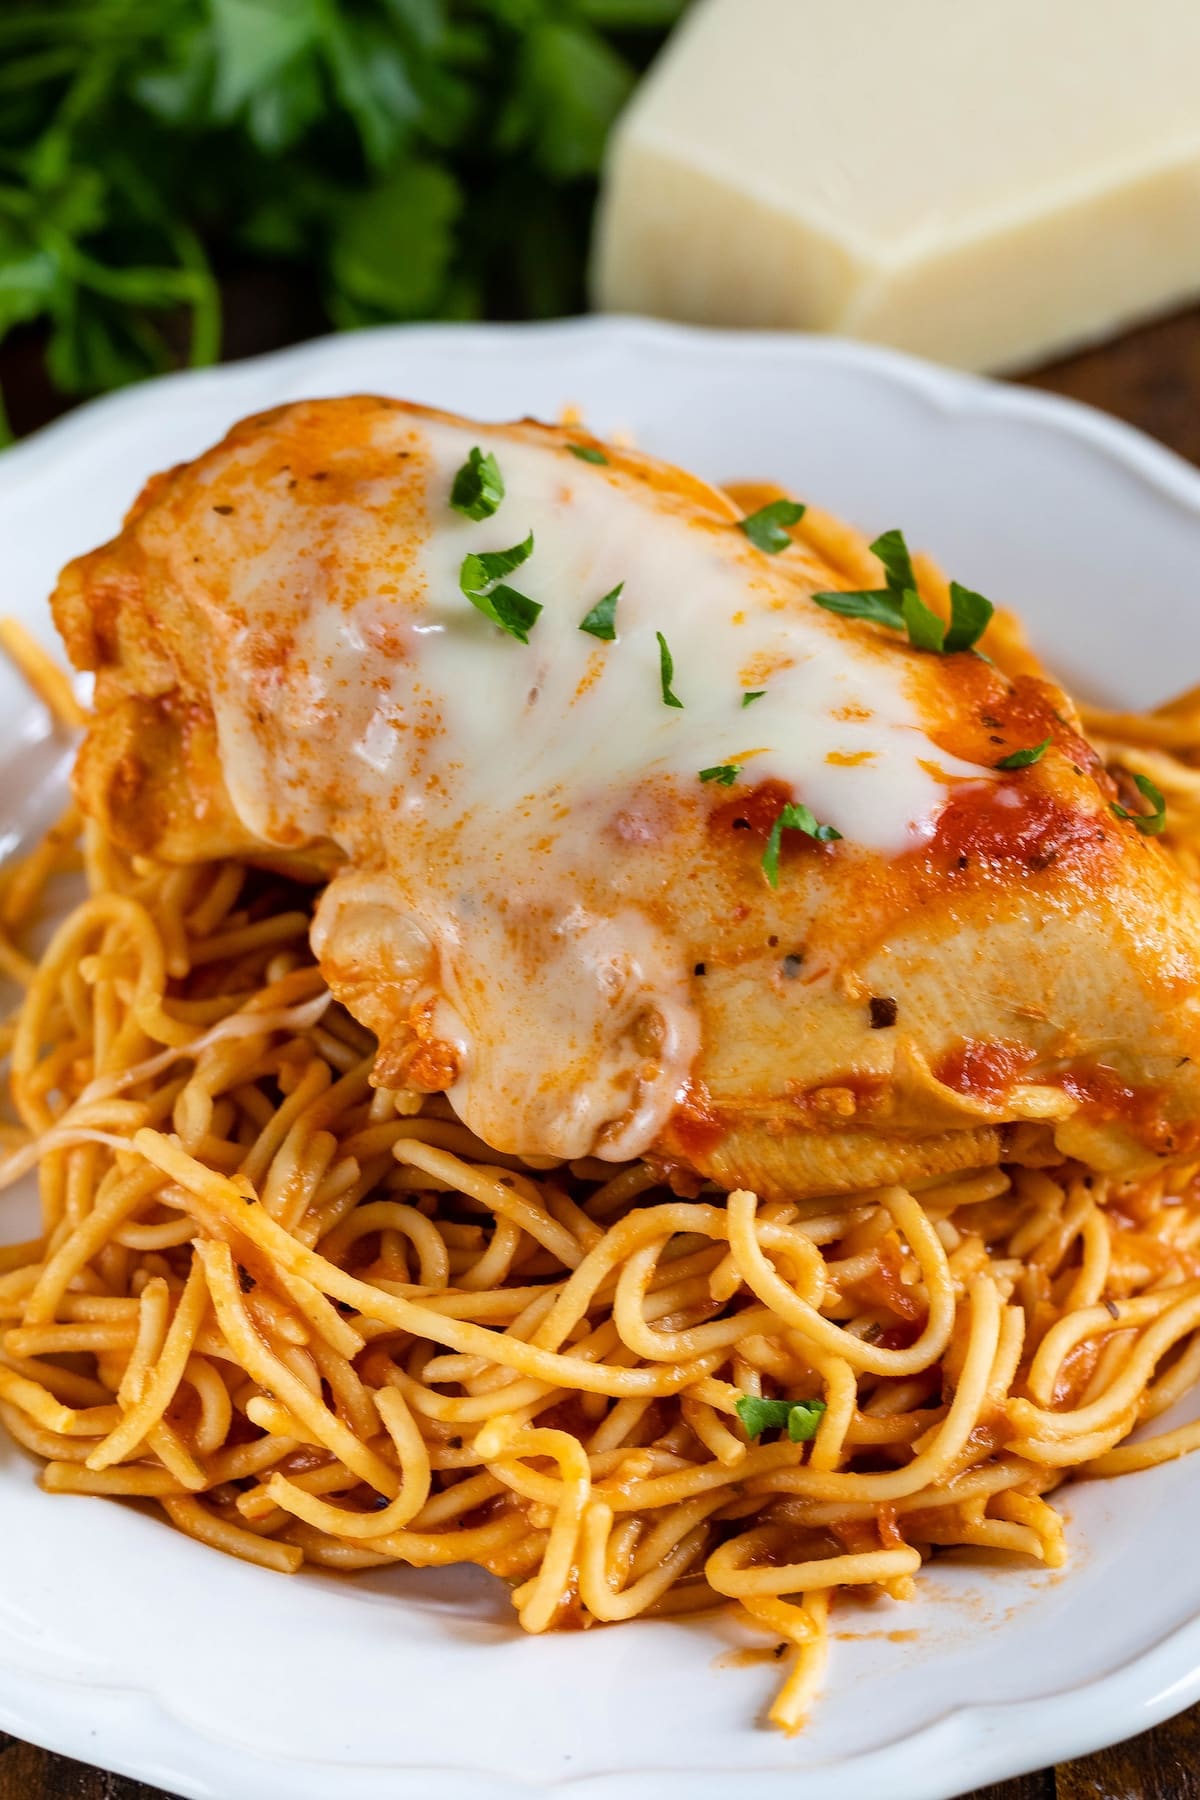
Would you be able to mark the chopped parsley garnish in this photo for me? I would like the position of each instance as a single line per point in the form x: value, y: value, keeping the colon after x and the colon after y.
x: 723, y: 773
x: 482, y: 581
x: 484, y: 567
x: 793, y: 818
x: 507, y: 607
x: 900, y: 607
x: 766, y: 527
x: 601, y: 621
x: 878, y: 606
x: 666, y: 672
x: 587, y: 453
x: 800, y: 1418
x: 752, y: 695
x: 479, y: 486
x: 924, y: 628
x: 1025, y: 759
x: 892, y: 552
x: 970, y: 616
x: 1151, y: 823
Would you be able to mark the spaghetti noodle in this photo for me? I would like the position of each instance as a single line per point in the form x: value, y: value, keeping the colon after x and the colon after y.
x: 315, y: 1321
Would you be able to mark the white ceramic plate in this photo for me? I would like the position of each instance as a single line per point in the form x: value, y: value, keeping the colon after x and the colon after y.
x: 128, y: 1645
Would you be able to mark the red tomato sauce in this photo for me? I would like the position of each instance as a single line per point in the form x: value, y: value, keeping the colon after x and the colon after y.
x: 751, y: 810
x: 1017, y: 824
x: 987, y: 1072
x: 1103, y: 1095
x: 983, y: 1071
x: 695, y: 1127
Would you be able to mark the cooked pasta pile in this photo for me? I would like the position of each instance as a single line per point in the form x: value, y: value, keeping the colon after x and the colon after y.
x: 314, y: 1321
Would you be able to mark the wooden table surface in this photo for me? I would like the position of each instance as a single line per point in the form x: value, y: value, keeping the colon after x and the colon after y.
x: 1150, y: 377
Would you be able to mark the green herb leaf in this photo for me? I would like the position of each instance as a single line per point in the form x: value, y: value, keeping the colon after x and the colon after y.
x: 925, y: 629
x: 892, y: 552
x: 751, y: 695
x: 804, y: 1419
x: 793, y: 818
x: 800, y: 1417
x: 627, y: 15
x: 879, y: 606
x: 483, y: 567
x: 375, y: 159
x: 970, y: 615
x: 254, y: 45
x: 507, y: 607
x: 478, y: 486
x: 900, y: 607
x: 601, y: 621
x: 666, y: 672
x: 1151, y: 823
x: 761, y: 1415
x: 588, y: 453
x: 481, y: 580
x: 392, y: 246
x: 564, y: 86
x: 765, y: 528
x: 372, y: 80
x: 1025, y: 759
x: 725, y: 774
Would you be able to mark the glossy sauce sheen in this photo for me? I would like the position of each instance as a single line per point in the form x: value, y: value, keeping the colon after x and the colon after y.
x: 515, y: 810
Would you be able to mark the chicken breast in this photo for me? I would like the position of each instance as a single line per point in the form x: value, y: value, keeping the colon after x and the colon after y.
x: 548, y: 794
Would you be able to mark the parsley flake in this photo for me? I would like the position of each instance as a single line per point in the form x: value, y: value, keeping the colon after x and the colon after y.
x: 751, y: 695
x: 666, y: 672
x: 970, y: 616
x: 507, y: 607
x: 481, y: 579
x: 1025, y: 759
x: 588, y: 453
x: 1151, y: 823
x: 725, y: 774
x: 925, y: 629
x: 766, y: 527
x: 892, y: 552
x: 601, y: 621
x: 478, y: 486
x: 878, y: 606
x: 793, y: 818
x: 484, y: 567
x: 800, y: 1417
x: 900, y: 607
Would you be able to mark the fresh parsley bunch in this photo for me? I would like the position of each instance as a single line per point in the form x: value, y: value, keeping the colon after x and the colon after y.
x: 407, y: 158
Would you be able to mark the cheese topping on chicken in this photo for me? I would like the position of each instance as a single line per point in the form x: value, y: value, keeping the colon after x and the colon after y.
x: 536, y: 903
x: 514, y: 811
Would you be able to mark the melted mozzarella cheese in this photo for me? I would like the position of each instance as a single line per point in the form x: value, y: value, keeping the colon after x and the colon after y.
x: 516, y: 813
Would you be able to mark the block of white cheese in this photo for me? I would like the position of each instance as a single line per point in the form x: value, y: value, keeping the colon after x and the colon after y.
x: 985, y: 182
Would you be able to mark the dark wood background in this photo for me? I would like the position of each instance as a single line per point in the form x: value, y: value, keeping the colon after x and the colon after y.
x: 1151, y: 378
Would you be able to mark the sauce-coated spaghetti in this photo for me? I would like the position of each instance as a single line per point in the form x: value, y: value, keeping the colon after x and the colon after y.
x: 318, y: 1322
